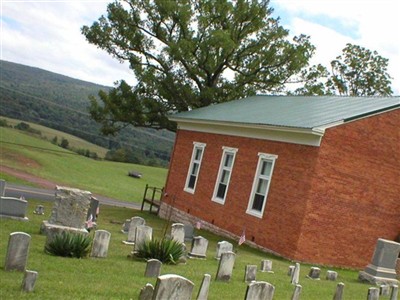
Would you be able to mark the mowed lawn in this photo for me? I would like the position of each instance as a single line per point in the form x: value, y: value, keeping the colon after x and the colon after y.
x: 120, y: 277
x: 41, y: 158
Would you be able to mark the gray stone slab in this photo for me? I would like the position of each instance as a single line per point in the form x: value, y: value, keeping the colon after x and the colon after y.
x: 394, y: 292
x: 28, y: 283
x: 373, y: 293
x: 178, y: 232
x: 146, y: 293
x: 153, y: 268
x: 189, y: 232
x: 296, y: 274
x: 13, y: 207
x: 204, y: 288
x: 250, y: 273
x: 135, y: 222
x: 17, y: 251
x: 331, y: 275
x: 101, y: 242
x: 225, y: 266
x: 223, y: 247
x: 314, y: 273
x: 266, y: 266
x: 339, y: 291
x: 297, y: 292
x: 290, y: 271
x: 259, y: 290
x: 143, y: 234
x: 171, y: 286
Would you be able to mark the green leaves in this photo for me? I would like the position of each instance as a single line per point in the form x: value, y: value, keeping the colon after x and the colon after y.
x: 69, y: 244
x: 165, y: 250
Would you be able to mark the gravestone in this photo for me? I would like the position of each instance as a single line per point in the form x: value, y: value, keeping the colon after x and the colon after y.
x: 125, y: 226
x: 101, y: 242
x: 135, y: 222
x: 266, y: 266
x: 143, y: 234
x: 250, y: 273
x: 384, y: 290
x: 93, y: 208
x: 178, y: 232
x: 17, y: 251
x: 153, y: 268
x: 339, y: 291
x: 39, y: 210
x: 259, y: 290
x: 225, y: 266
x: 394, y: 293
x: 28, y: 283
x: 290, y: 271
x: 13, y: 208
x: 296, y: 292
x: 373, y: 293
x: 146, y: 293
x: 382, y: 268
x: 223, y: 247
x: 314, y: 273
x: 296, y: 274
x: 199, y: 247
x: 183, y: 258
x: 204, y: 288
x: 189, y: 232
x: 171, y: 286
x: 2, y: 187
x: 331, y: 275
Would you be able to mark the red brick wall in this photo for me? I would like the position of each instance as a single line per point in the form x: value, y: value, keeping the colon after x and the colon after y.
x: 322, y: 205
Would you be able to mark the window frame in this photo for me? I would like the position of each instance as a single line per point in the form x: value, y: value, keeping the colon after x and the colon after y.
x: 193, y: 160
x: 261, y: 158
x: 222, y: 168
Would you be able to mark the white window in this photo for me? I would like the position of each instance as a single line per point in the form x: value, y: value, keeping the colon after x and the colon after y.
x: 194, y: 167
x: 262, y: 180
x: 224, y: 174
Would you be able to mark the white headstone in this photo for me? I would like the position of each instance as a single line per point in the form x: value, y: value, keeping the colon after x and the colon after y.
x: 225, y: 267
x: 250, y: 273
x: 314, y: 273
x: 17, y: 251
x: 296, y: 292
x: 28, y: 283
x: 143, y: 234
x: 339, y: 291
x: 101, y: 242
x: 135, y: 222
x: 266, y: 266
x: 259, y: 290
x: 153, y: 268
x: 373, y: 293
x: 199, y: 247
x: 204, y: 288
x: 223, y: 247
x: 146, y: 293
x: 178, y: 232
x: 172, y: 286
x: 296, y: 274
x: 395, y: 292
x: 331, y: 275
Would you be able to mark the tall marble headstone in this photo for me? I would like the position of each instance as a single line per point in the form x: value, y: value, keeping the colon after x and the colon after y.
x: 178, y: 232
x: 17, y: 251
x: 225, y: 267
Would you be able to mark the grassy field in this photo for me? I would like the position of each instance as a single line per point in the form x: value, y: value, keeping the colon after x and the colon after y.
x: 117, y: 277
x: 41, y: 158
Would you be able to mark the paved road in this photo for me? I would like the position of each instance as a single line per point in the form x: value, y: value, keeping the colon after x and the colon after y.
x: 14, y: 190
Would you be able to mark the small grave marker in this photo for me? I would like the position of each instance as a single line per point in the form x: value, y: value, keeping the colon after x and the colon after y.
x: 101, y: 242
x: 28, y: 283
x: 250, y: 273
x: 153, y: 268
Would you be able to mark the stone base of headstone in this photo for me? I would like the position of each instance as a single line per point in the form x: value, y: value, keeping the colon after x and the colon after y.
x: 50, y: 230
x: 25, y: 219
x: 128, y: 243
x: 366, y: 277
x: 196, y: 256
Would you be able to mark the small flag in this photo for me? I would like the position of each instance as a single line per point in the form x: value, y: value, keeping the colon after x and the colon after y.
x: 242, y: 237
x: 198, y: 225
x: 89, y: 222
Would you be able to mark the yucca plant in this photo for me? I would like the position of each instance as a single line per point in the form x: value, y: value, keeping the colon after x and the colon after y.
x: 167, y: 251
x: 69, y: 244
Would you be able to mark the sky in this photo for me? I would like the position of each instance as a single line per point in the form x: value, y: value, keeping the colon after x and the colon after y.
x: 47, y: 34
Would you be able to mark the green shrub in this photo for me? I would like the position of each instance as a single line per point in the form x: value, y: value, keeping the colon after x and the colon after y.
x: 166, y: 250
x: 69, y: 244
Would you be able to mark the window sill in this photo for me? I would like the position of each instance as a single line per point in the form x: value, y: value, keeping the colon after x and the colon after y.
x: 190, y: 191
x: 254, y: 213
x: 218, y: 200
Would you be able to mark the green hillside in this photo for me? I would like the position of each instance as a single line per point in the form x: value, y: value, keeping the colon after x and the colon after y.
x: 60, y: 102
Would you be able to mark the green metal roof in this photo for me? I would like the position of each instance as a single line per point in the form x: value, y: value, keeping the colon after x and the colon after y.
x: 290, y: 111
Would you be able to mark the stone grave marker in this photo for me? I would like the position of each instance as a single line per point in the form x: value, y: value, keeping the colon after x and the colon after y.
x: 13, y: 208
x: 189, y: 232
x: 134, y: 223
x: 296, y: 274
x: 382, y: 268
x: 143, y: 233
x: 314, y: 273
x: 178, y: 232
x: 153, y: 268
x: 39, y: 210
x: 290, y: 271
x: 17, y: 251
x: 395, y: 291
x: 384, y: 290
x: 331, y: 275
x: 266, y: 266
x: 171, y: 286
x: 296, y: 292
x: 199, y: 247
x: 223, y: 247
x: 204, y: 288
x: 101, y: 242
x: 2, y: 187
x: 250, y: 273
x: 125, y: 226
x: 28, y: 283
x: 146, y: 293
x: 225, y: 267
x: 259, y: 290
x: 373, y: 293
x: 92, y: 211
x: 339, y: 291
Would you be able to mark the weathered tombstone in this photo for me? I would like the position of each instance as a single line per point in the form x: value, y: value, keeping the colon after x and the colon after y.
x: 250, y: 273
x: 290, y: 271
x: 314, y: 273
x: 178, y: 232
x: 143, y: 234
x: 28, y: 283
x: 225, y: 267
x: 171, y: 286
x: 13, y: 208
x: 296, y: 274
x: 394, y: 293
x: 382, y: 268
x: 266, y: 266
x: 146, y: 293
x: 331, y: 275
x: 2, y: 187
x: 296, y: 292
x: 189, y: 232
x: 199, y: 247
x: 39, y: 210
x: 153, y: 268
x: 384, y: 290
x: 259, y: 290
x: 92, y: 212
x: 204, y: 288
x: 101, y: 241
x: 339, y: 291
x: 135, y: 222
x: 183, y: 258
x: 125, y: 226
x: 17, y: 251
x: 373, y: 293
x: 223, y: 247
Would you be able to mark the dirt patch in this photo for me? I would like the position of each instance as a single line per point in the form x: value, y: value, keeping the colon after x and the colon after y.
x: 41, y: 182
x: 21, y: 160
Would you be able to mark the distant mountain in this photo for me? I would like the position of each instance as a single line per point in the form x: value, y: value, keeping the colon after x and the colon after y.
x: 61, y: 102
